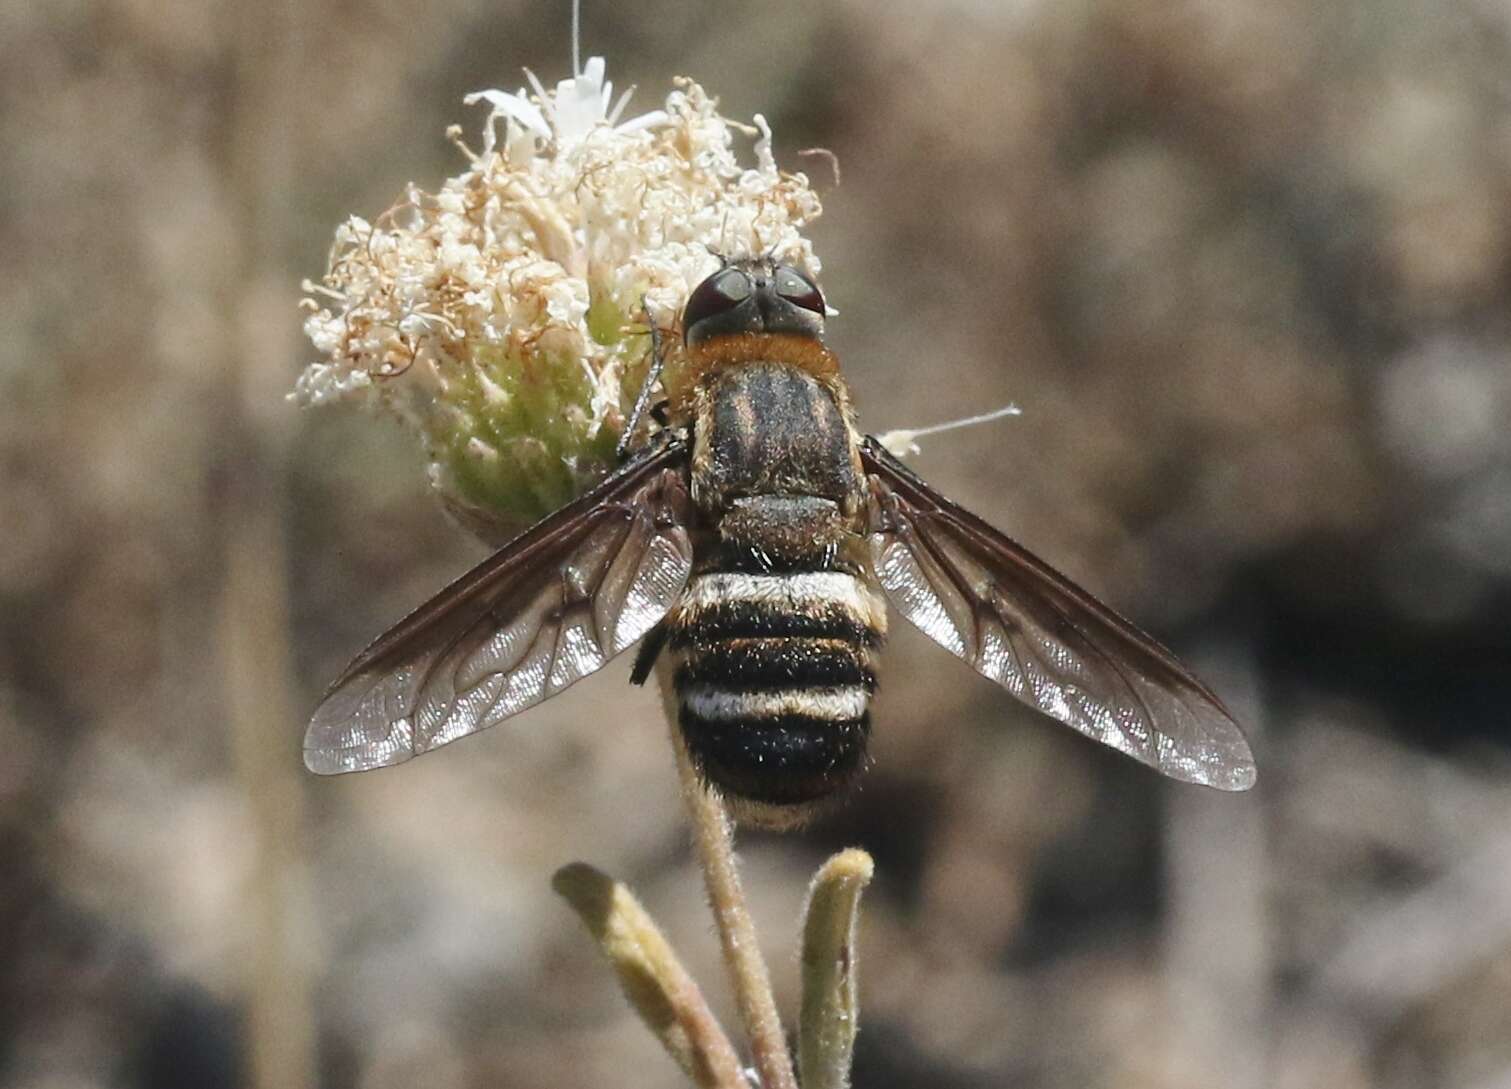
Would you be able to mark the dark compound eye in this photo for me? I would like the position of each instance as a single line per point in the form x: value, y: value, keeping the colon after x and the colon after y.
x: 796, y: 288
x: 722, y: 291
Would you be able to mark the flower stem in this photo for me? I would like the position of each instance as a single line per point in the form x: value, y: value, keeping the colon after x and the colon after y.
x: 713, y: 832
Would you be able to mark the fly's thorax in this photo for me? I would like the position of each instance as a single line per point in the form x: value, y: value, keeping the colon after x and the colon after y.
x: 773, y: 430
x: 784, y: 532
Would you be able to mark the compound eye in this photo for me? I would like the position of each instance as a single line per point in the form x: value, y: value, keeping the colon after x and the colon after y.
x: 797, y: 289
x: 724, y: 290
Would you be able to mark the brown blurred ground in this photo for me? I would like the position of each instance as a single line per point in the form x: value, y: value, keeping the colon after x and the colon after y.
x: 1245, y: 266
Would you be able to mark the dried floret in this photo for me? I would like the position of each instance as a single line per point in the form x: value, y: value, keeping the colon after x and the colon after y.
x: 504, y: 317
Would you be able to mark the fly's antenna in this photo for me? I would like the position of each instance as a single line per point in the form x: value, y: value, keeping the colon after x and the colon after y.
x: 902, y: 442
x: 736, y: 251
x: 717, y: 254
x: 576, y: 38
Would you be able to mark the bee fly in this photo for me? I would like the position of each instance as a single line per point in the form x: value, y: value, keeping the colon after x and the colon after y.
x: 757, y: 539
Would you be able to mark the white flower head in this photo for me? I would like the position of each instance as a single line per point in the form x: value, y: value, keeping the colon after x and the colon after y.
x: 504, y: 316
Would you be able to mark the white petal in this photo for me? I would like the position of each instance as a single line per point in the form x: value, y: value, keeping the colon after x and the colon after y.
x: 514, y: 107
x: 580, y: 104
x: 644, y: 121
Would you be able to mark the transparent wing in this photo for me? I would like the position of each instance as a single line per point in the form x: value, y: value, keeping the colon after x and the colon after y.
x: 546, y: 610
x: 1051, y: 644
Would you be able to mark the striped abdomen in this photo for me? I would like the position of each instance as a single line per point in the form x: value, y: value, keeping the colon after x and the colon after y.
x: 774, y: 675
x: 774, y: 640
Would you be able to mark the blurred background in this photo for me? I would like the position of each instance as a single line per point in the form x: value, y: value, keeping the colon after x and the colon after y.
x: 1244, y: 264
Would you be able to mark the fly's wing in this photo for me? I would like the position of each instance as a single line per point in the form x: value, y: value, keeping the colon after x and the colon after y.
x: 546, y: 610
x: 1019, y: 622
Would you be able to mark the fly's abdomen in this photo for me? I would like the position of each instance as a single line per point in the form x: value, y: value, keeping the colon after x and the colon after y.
x: 774, y: 676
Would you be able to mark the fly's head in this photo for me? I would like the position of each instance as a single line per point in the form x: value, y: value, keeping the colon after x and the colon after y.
x: 753, y: 295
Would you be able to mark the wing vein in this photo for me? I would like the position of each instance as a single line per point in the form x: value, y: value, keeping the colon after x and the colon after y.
x: 1085, y: 639
x: 426, y: 682
x: 1054, y: 646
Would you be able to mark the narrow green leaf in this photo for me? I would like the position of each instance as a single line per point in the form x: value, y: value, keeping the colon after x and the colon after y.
x: 829, y: 1019
x: 653, y: 979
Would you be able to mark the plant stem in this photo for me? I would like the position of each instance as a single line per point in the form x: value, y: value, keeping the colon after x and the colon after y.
x: 266, y: 88
x: 713, y: 832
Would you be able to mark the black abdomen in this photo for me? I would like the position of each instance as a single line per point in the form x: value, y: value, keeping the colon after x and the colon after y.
x: 774, y: 676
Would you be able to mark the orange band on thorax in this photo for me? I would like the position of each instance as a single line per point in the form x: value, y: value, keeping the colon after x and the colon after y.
x: 697, y: 363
